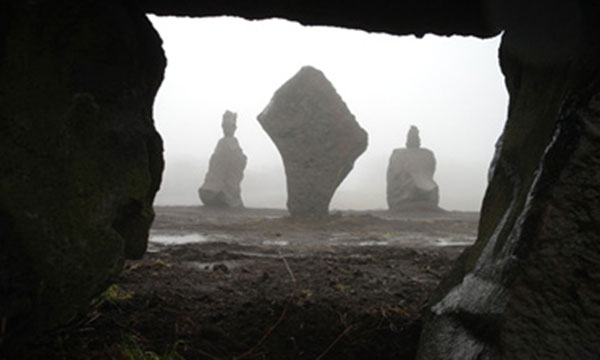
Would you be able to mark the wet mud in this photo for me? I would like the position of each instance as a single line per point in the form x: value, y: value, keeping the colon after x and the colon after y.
x: 256, y: 284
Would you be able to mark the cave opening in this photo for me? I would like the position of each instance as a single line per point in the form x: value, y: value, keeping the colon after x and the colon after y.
x: 363, y: 275
x: 83, y: 162
x: 449, y: 87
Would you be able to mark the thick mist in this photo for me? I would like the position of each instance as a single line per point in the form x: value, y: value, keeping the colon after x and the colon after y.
x: 451, y: 88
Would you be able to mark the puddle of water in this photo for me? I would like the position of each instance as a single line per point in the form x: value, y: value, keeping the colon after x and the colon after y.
x: 257, y: 254
x: 346, y: 239
x: 276, y: 242
x: 340, y: 236
x: 373, y: 243
x: 453, y: 242
x: 401, y: 239
x: 419, y: 239
x: 157, y: 241
x: 179, y: 239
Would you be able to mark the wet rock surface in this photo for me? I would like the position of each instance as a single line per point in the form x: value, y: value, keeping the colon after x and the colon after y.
x: 410, y: 184
x: 528, y: 288
x: 81, y: 160
x: 221, y: 186
x: 318, y: 139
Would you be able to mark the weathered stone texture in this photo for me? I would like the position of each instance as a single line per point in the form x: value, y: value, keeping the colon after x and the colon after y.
x: 529, y: 286
x: 221, y: 186
x: 318, y: 139
x: 81, y: 160
x: 410, y: 184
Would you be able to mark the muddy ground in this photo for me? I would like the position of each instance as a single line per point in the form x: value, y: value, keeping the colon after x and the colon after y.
x: 255, y: 284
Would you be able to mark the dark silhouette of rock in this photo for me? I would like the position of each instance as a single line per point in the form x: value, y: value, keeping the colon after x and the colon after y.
x: 317, y: 137
x: 81, y: 160
x: 530, y: 285
x: 226, y: 169
x: 410, y: 185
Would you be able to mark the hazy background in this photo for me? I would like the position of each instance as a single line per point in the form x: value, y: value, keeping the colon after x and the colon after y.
x: 451, y: 88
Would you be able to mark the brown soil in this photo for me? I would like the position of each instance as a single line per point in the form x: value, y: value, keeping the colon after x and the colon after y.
x: 264, y: 286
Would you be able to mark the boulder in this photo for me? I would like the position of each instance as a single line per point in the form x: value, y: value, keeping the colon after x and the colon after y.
x: 318, y: 139
x: 221, y: 186
x: 410, y: 184
x: 81, y: 159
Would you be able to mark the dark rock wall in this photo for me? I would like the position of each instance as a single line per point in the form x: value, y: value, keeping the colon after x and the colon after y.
x: 553, y: 311
x: 529, y: 286
x: 81, y: 160
x: 465, y: 17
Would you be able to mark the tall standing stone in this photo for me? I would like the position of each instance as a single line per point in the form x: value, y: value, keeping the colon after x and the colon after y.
x: 317, y: 137
x: 410, y: 184
x: 221, y: 186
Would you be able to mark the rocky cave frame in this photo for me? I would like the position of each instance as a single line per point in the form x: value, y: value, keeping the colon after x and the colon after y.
x: 77, y: 84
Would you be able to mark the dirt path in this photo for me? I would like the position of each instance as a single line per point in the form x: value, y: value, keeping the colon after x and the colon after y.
x: 255, y: 284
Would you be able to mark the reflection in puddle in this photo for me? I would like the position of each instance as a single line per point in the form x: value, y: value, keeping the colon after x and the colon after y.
x: 454, y: 242
x: 157, y: 240
x: 276, y: 242
x: 373, y: 243
x: 178, y: 239
x: 340, y: 236
x: 259, y: 254
x: 401, y: 239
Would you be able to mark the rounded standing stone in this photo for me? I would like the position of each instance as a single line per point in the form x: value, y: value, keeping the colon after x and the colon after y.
x: 410, y: 184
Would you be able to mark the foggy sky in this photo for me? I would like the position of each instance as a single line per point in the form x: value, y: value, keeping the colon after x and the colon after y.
x: 450, y: 88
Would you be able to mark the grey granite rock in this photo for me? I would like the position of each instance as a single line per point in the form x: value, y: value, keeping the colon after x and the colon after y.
x: 317, y: 137
x: 226, y: 169
x: 410, y: 184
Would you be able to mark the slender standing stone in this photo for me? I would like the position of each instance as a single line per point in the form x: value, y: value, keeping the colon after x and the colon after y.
x: 226, y: 169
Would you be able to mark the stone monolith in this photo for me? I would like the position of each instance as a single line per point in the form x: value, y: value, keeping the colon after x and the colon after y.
x: 410, y: 184
x: 221, y: 186
x: 318, y: 139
